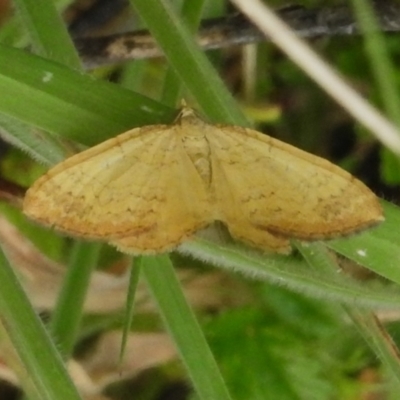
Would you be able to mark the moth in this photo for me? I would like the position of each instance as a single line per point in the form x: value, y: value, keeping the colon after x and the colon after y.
x: 149, y: 189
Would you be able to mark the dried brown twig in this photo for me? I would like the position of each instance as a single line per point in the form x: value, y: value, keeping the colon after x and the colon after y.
x: 233, y: 30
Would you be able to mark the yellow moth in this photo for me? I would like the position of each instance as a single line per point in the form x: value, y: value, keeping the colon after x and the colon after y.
x: 151, y: 188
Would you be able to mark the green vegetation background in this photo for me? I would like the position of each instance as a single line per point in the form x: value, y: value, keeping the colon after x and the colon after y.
x: 309, y: 333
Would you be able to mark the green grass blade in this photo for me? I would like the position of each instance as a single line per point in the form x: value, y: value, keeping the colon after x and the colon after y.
x: 31, y: 341
x: 67, y: 102
x: 48, y: 31
x: 189, y: 62
x: 379, y: 340
x: 379, y: 58
x: 294, y: 273
x: 368, y: 325
x: 385, y: 77
x: 40, y: 146
x: 378, y: 248
x: 130, y: 300
x: 68, y: 311
x: 184, y: 328
x: 191, y: 13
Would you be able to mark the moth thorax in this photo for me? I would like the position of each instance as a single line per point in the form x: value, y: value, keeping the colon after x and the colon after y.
x: 198, y: 150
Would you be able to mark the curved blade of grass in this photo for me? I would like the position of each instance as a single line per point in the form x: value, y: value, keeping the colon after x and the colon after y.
x: 377, y: 249
x: 293, y: 273
x: 67, y: 102
x: 10, y: 358
x: 40, y: 146
x: 31, y: 341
